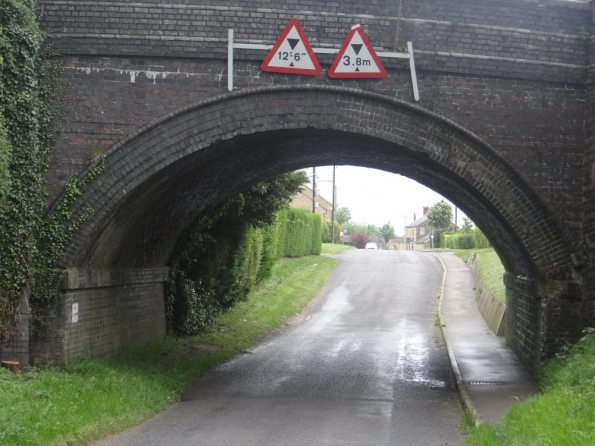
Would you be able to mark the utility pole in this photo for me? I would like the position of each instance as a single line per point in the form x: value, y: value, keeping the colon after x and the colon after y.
x: 313, y: 190
x: 333, y: 210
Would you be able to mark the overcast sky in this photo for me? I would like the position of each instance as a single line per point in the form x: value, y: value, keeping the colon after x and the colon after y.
x: 377, y: 197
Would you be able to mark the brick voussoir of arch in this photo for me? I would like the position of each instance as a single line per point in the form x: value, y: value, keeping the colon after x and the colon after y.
x: 150, y: 149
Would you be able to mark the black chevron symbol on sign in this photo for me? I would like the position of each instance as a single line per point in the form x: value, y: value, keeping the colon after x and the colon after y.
x: 356, y: 47
x: 293, y: 43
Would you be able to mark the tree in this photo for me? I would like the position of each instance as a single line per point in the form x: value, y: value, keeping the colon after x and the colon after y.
x: 343, y: 215
x: 467, y: 227
x: 357, y: 228
x: 387, y: 231
x: 440, y: 215
x: 359, y: 240
x: 265, y: 199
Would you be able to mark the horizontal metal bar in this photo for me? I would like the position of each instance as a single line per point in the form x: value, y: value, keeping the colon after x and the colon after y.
x: 258, y: 46
x: 252, y: 46
x: 325, y: 50
x: 393, y: 55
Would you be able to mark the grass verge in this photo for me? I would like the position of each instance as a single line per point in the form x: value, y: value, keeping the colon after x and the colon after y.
x: 491, y: 270
x: 96, y: 397
x: 564, y: 413
x: 330, y: 248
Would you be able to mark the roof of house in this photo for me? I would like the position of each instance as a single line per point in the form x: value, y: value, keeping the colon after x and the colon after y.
x: 423, y: 240
x: 420, y: 221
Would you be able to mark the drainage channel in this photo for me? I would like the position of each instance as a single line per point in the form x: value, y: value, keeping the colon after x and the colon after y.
x: 485, y: 383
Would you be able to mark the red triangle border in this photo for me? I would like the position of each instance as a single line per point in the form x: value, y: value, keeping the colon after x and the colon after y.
x: 361, y: 75
x: 288, y: 70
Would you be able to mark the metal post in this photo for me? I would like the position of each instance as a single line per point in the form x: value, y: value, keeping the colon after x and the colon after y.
x: 333, y: 211
x: 413, y: 72
x: 313, y: 190
x: 230, y: 61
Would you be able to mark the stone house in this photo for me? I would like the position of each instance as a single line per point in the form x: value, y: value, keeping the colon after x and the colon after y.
x: 417, y: 234
x: 303, y: 200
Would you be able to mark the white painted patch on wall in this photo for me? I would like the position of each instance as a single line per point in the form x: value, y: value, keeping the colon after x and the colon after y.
x: 134, y: 74
x: 219, y: 77
x: 75, y: 313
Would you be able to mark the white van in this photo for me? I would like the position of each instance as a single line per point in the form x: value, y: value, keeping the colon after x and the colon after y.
x: 371, y: 245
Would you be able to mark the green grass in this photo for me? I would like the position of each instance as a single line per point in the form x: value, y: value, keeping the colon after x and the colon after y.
x: 95, y: 397
x: 563, y: 415
x: 329, y: 248
x: 491, y: 270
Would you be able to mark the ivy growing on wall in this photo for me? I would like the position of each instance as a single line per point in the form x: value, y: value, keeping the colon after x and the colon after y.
x: 31, y: 102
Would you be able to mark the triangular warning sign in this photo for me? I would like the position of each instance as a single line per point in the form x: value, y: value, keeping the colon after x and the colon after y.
x: 292, y: 53
x: 357, y: 58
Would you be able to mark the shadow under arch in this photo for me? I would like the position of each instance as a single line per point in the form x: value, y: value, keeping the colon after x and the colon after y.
x: 160, y: 178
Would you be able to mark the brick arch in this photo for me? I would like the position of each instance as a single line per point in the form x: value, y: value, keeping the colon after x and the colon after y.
x: 159, y: 179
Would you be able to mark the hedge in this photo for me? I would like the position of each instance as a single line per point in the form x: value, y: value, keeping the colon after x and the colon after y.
x: 464, y: 240
x: 480, y: 240
x: 300, y: 233
x: 222, y: 257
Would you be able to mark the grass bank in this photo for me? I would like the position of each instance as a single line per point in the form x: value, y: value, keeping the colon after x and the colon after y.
x: 330, y: 248
x: 564, y: 413
x: 96, y: 397
x: 491, y: 270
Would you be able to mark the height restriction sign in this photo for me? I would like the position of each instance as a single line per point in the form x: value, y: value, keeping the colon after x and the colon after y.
x: 357, y: 58
x: 292, y: 53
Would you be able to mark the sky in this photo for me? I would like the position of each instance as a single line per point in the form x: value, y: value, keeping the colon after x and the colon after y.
x: 377, y: 197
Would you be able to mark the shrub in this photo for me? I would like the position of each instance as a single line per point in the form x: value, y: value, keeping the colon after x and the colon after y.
x: 460, y: 241
x: 270, y: 239
x: 211, y: 275
x: 359, y: 240
x: 300, y: 233
x: 208, y: 270
x: 480, y: 240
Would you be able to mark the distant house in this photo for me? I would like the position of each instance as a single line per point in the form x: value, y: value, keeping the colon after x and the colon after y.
x: 418, y: 235
x: 395, y: 243
x: 303, y: 200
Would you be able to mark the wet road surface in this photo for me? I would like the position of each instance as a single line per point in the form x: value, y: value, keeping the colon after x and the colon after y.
x: 367, y: 367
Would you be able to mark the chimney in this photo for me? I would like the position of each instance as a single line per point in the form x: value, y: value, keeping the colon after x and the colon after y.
x: 426, y: 209
x: 414, y: 217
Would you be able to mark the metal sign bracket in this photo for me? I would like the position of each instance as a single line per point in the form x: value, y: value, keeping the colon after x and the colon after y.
x: 231, y: 45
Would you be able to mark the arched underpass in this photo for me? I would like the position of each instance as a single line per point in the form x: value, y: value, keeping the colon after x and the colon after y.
x: 159, y: 179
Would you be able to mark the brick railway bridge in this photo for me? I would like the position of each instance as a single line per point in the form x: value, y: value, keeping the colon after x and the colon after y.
x: 504, y: 129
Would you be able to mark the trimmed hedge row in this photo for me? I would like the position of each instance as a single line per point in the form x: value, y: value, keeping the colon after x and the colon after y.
x: 464, y: 240
x: 215, y: 267
x: 223, y: 257
x: 480, y: 240
x: 300, y: 233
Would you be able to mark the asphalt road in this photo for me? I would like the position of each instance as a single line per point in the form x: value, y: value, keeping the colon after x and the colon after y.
x: 367, y: 367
